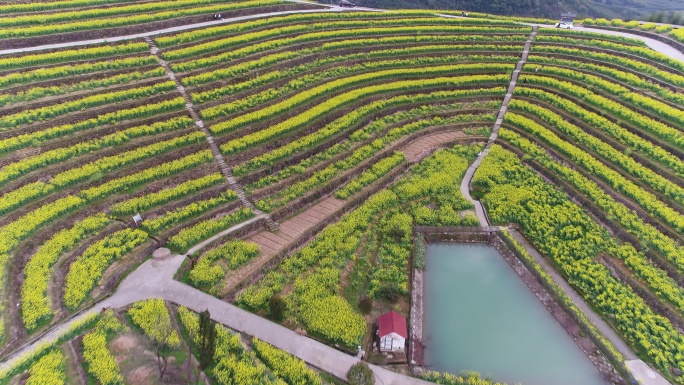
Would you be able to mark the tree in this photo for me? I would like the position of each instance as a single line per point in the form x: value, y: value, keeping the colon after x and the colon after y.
x: 206, y: 341
x: 360, y: 374
x: 365, y: 305
x: 166, y: 342
x: 276, y: 308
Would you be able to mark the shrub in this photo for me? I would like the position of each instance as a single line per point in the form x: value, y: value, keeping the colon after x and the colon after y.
x: 360, y: 374
x: 276, y: 308
x: 365, y: 305
x: 663, y: 28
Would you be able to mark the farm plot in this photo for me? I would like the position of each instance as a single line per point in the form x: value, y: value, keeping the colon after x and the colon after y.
x: 103, y: 130
x: 365, y: 256
x: 152, y: 342
x: 605, y: 126
x: 91, y: 137
x: 339, y: 126
x: 26, y: 24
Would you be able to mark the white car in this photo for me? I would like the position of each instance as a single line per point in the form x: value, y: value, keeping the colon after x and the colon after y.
x: 564, y: 25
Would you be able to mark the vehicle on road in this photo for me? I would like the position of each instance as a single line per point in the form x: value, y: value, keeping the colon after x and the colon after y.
x: 564, y: 25
x: 347, y: 3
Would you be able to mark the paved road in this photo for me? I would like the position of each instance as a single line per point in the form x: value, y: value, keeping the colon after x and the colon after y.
x: 656, y: 45
x: 154, y: 279
x: 179, y: 28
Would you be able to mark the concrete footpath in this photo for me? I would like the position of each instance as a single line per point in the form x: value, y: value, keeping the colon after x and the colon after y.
x: 154, y: 279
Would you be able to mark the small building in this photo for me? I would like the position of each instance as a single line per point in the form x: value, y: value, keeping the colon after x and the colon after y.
x: 392, y: 332
x: 567, y: 17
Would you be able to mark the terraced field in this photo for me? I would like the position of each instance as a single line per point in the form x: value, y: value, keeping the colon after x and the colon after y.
x: 291, y: 156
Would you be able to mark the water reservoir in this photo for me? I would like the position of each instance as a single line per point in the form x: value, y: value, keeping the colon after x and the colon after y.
x: 479, y: 315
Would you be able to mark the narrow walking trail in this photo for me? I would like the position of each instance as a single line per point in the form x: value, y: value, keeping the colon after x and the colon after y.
x: 639, y: 369
x: 467, y: 179
x: 272, y: 243
x: 419, y: 148
x: 155, y: 279
x: 216, y: 152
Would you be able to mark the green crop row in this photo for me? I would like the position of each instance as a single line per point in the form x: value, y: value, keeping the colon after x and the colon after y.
x: 38, y: 137
x: 646, y: 233
x: 24, y: 166
x: 638, y: 99
x: 192, y: 235
x: 310, y: 77
x: 41, y: 92
x: 72, y: 55
x: 50, y: 5
x: 145, y: 202
x: 231, y: 28
x: 45, y: 113
x: 644, y: 52
x: 645, y: 199
x: 322, y: 177
x: 241, y: 27
x: 377, y: 171
x: 235, y: 28
x: 662, y: 130
x: 338, y: 29
x: 15, y: 198
x: 290, y: 368
x: 338, y: 101
x: 91, y: 13
x: 549, y: 32
x: 425, y: 47
x: 309, y: 37
x: 378, y: 125
x: 623, y: 76
x: 49, y: 369
x: 145, y: 176
x: 109, y: 163
x: 636, y: 65
x: 181, y: 214
x: 87, y: 269
x: 69, y: 177
x: 352, y: 118
x: 35, y: 303
x: 74, y: 69
x: 615, y: 130
x: 112, y: 22
x: 233, y: 254
x: 300, y: 167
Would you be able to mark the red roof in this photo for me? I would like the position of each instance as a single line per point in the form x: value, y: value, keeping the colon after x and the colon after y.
x: 392, y: 322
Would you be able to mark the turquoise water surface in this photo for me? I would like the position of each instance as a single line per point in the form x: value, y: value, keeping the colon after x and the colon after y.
x: 479, y: 315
